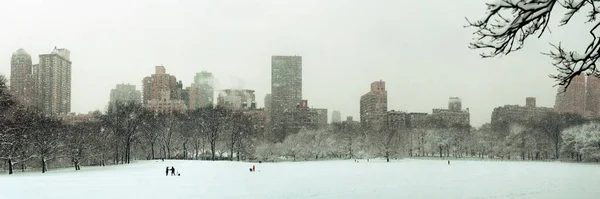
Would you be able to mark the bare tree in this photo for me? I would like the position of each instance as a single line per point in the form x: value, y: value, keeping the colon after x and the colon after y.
x: 46, y: 139
x: 508, y: 23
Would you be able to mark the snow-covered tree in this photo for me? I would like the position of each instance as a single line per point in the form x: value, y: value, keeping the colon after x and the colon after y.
x: 507, y: 24
x: 584, y: 141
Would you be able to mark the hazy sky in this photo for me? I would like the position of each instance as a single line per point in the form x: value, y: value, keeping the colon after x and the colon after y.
x: 419, y: 48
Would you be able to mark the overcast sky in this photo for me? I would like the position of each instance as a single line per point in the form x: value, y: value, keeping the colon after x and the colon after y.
x: 419, y: 48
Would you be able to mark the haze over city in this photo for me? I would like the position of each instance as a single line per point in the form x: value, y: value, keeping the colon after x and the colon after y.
x: 423, y: 62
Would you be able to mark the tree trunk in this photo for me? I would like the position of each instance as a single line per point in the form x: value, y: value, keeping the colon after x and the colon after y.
x: 44, y: 165
x: 10, y: 167
x: 440, y: 151
x: 212, y: 150
x: 152, y: 149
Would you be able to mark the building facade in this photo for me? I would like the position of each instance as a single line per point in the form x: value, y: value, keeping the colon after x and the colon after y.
x: 52, y: 87
x: 573, y: 99
x: 454, y: 115
x: 286, y: 92
x: 336, y: 117
x: 373, y: 106
x: 300, y: 118
x: 205, y: 94
x: 124, y: 93
x: 236, y: 98
x: 592, y: 95
x: 321, y: 117
x: 21, y: 77
x: 155, y: 85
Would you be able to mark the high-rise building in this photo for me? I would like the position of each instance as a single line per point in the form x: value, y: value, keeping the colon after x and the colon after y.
x: 373, y: 106
x: 236, y: 98
x: 267, y: 103
x: 124, y: 93
x: 286, y: 91
x: 454, y: 104
x: 454, y: 115
x: 162, y: 92
x: 321, y: 117
x: 573, y: 100
x: 21, y: 77
x: 336, y: 117
x: 52, y: 77
x: 300, y: 118
x: 530, y: 102
x: 592, y: 96
x: 205, y: 82
x: 156, y: 84
x: 194, y: 97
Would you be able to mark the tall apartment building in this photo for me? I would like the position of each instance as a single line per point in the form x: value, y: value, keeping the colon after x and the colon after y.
x: 373, y: 106
x: 286, y: 91
x: 52, y: 77
x: 21, y: 77
x: 336, y: 117
x: 162, y: 92
x: 300, y: 118
x: 592, y: 96
x: 205, y: 93
x: 157, y: 83
x: 454, y: 115
x: 321, y: 117
x: 236, y: 99
x: 573, y: 100
x: 124, y: 93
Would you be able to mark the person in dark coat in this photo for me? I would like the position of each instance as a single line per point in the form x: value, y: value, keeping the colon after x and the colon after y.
x: 448, y: 162
x: 167, y: 171
x: 172, y: 171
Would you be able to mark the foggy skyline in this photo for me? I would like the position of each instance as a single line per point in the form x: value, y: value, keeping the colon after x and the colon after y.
x: 344, y: 47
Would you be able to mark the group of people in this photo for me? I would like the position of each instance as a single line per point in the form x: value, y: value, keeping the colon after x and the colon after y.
x: 172, y: 169
x: 253, y: 168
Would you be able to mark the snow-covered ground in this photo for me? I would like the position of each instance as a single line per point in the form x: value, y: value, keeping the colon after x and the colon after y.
x: 323, y: 179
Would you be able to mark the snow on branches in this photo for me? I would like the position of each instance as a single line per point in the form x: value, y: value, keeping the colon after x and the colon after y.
x: 508, y: 23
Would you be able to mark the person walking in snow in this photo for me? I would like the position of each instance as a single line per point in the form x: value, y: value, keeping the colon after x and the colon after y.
x: 172, y: 170
x: 167, y: 171
x: 253, y: 168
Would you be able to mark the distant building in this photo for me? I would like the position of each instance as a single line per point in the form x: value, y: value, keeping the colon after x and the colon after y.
x: 258, y: 119
x: 124, y: 93
x: 515, y: 114
x: 530, y: 102
x: 21, y: 77
x: 396, y: 119
x: 417, y: 120
x: 162, y: 92
x: 453, y: 115
x: 73, y: 118
x: 52, y: 77
x: 155, y: 85
x: 236, y: 98
x: 373, y: 106
x: 165, y: 104
x: 573, y: 100
x: 336, y: 117
x: 300, y: 118
x: 205, y: 93
x: 321, y: 117
x: 286, y: 92
x: 592, y: 100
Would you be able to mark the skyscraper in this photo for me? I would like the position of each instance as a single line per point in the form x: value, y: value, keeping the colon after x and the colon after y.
x: 373, y: 106
x: 592, y: 95
x: 124, y: 93
x: 21, y: 77
x: 573, y: 100
x: 52, y: 78
x: 162, y: 92
x: 156, y: 84
x: 336, y: 117
x: 205, y: 82
x: 286, y: 91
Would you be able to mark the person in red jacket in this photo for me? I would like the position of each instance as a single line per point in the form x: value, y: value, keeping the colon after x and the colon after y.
x: 253, y: 168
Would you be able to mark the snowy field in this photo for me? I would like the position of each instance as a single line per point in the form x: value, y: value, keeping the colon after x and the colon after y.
x: 326, y: 179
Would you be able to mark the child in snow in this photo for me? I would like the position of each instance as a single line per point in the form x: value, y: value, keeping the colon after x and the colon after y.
x: 172, y: 170
x: 167, y: 171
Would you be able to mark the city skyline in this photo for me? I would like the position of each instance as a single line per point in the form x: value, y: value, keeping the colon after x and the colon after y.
x: 235, y: 42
